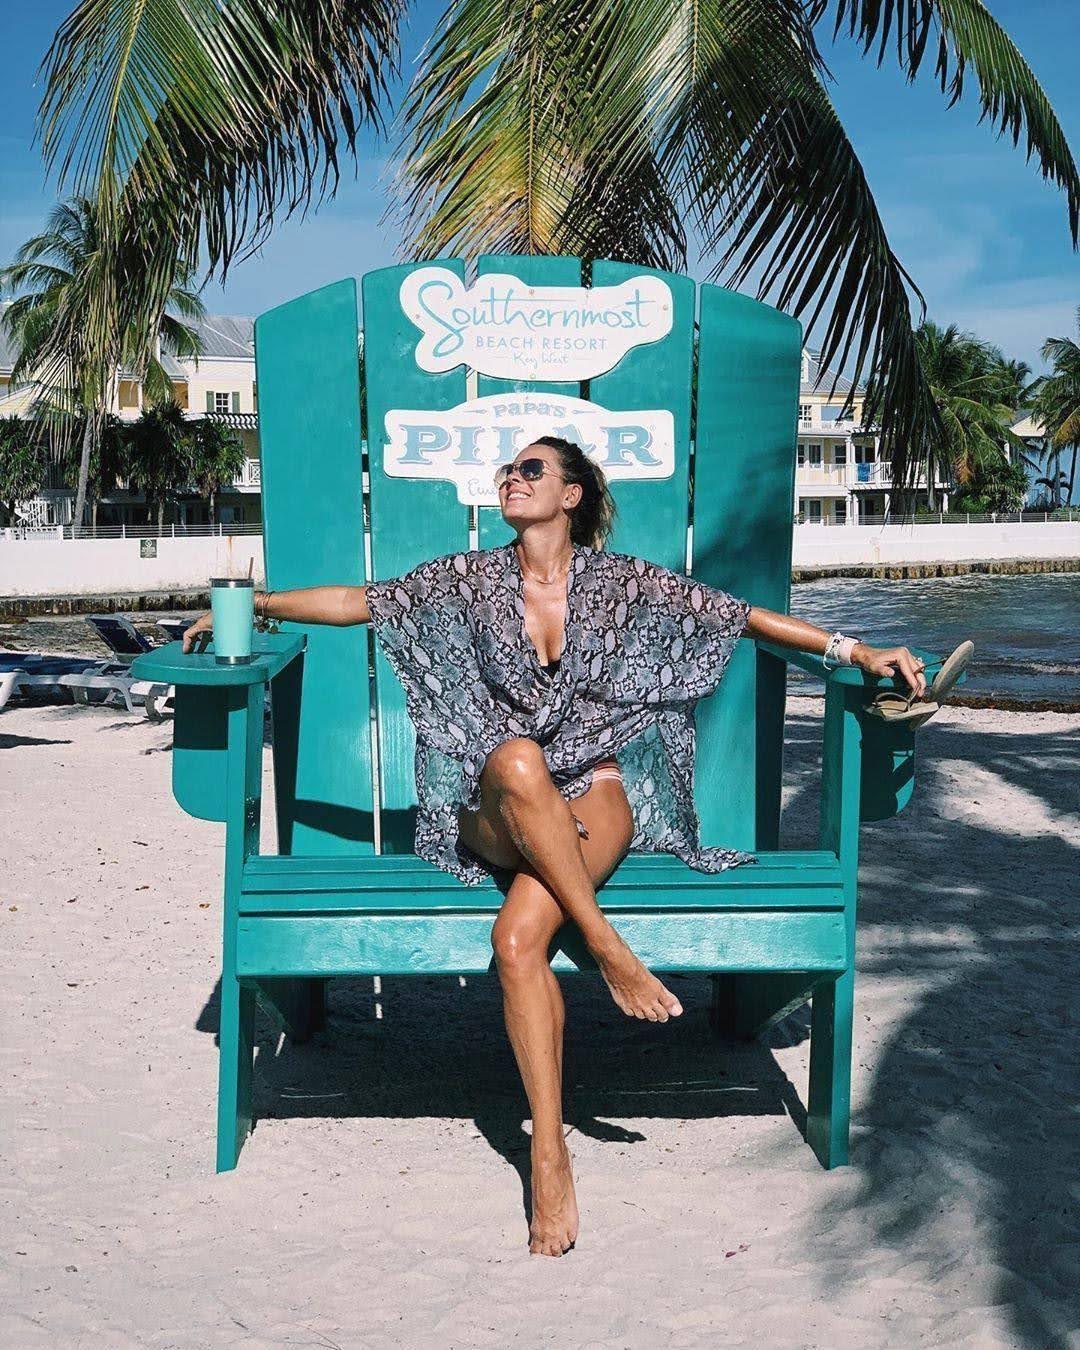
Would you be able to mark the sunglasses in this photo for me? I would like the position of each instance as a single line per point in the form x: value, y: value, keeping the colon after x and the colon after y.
x: 532, y: 470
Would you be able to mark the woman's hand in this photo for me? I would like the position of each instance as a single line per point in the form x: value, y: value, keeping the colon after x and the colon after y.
x: 891, y: 661
x: 203, y: 624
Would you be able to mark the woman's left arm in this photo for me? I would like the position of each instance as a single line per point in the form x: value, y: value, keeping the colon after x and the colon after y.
x: 787, y: 631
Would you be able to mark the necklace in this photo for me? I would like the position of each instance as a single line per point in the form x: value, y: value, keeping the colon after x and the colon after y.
x: 544, y: 581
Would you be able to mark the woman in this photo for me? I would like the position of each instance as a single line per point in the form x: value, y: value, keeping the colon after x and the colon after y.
x: 537, y: 675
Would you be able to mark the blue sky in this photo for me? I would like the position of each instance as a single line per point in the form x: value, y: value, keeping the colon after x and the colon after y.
x: 984, y: 236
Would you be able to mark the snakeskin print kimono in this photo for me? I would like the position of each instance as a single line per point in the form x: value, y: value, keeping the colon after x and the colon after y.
x: 642, y: 644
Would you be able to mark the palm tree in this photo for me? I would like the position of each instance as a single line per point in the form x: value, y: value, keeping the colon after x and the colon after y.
x: 585, y: 126
x: 22, y: 464
x: 974, y: 393
x: 109, y: 462
x: 160, y: 463
x: 217, y: 457
x: 1056, y: 405
x: 62, y: 278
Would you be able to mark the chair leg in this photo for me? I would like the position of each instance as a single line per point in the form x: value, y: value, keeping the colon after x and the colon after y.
x: 236, y: 1057
x: 830, y: 1070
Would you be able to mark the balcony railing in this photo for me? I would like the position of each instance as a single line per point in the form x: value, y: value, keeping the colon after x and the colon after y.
x: 876, y: 474
x: 250, y: 476
x: 836, y: 426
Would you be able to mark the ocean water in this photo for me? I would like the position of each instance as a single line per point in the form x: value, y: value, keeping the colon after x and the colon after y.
x: 1026, y: 629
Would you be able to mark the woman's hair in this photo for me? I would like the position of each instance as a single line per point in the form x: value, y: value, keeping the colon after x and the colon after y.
x: 594, y: 515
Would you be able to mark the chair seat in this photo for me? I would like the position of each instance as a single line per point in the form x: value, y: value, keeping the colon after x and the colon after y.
x: 404, y: 883
x: 398, y: 915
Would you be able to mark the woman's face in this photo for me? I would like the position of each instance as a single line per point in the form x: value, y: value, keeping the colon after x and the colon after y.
x: 527, y: 502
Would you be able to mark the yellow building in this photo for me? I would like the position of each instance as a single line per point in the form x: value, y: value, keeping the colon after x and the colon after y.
x: 220, y: 384
x: 840, y: 476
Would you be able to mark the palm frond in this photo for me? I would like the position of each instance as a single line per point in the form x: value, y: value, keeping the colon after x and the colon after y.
x: 222, y: 117
x: 967, y: 36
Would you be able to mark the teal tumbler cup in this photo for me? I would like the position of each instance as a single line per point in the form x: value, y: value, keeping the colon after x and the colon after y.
x: 232, y: 603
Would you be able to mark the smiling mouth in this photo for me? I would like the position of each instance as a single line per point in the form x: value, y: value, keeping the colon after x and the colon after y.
x: 512, y: 496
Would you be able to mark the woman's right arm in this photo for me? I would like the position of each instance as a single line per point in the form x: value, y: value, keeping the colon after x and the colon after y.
x: 339, y: 606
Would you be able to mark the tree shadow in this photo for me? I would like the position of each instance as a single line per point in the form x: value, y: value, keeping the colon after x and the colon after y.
x: 412, y: 1050
x: 970, y: 1121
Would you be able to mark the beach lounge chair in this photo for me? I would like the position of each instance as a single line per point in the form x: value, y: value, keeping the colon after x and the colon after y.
x: 82, y: 679
x: 34, y: 675
x: 120, y: 635
x: 122, y: 686
x: 344, y: 894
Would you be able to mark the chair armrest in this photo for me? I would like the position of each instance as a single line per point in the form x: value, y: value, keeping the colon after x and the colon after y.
x: 814, y: 665
x: 169, y: 664
x: 213, y: 703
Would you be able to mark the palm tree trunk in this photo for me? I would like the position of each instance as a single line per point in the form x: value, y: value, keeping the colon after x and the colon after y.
x: 212, y: 497
x: 84, y: 475
x: 1072, y: 473
x: 161, y: 515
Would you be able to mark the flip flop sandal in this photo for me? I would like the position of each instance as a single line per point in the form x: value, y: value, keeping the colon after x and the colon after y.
x: 895, y: 707
x: 892, y: 706
x: 951, y: 670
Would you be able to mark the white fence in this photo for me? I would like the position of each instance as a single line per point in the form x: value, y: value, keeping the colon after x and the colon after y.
x: 34, y: 567
x: 139, y: 564
x: 856, y: 545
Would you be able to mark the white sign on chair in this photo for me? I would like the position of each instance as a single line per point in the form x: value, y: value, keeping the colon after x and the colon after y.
x: 503, y: 327
x: 466, y: 444
x: 506, y: 329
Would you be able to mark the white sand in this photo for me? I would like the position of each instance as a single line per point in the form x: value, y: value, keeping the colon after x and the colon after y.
x: 378, y: 1202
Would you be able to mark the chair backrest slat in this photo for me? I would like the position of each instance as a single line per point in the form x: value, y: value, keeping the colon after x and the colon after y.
x: 309, y: 410
x: 651, y: 516
x: 412, y: 520
x: 532, y: 271
x: 744, y: 467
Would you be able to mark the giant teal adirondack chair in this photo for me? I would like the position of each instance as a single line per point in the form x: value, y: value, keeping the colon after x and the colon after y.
x: 345, y: 895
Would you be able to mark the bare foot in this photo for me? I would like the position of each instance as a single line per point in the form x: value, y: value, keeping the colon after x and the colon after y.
x: 554, y: 1226
x: 637, y: 992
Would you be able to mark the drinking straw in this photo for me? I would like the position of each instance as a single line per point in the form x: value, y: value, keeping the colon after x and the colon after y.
x: 251, y: 564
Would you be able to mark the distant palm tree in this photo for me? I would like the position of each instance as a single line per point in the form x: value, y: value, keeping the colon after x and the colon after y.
x: 61, y: 279
x: 217, y: 458
x: 974, y: 393
x: 160, y: 462
x: 1056, y: 405
x: 22, y: 464
x: 580, y: 126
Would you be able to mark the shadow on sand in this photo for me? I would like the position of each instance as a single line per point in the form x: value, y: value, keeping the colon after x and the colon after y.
x: 972, y: 1103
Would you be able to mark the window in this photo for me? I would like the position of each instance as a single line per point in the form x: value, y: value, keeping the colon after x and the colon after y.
x: 805, y: 414
x: 839, y: 453
x: 814, y: 511
x: 813, y: 454
x: 800, y: 456
x: 840, y: 511
x: 222, y: 401
x: 864, y: 454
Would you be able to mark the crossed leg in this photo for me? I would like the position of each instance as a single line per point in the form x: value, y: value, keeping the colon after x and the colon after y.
x: 526, y: 824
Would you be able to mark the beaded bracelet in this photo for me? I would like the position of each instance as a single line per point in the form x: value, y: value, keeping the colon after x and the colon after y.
x: 838, y: 651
